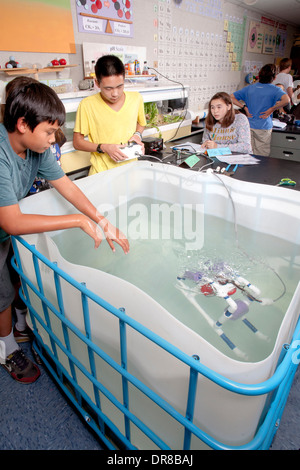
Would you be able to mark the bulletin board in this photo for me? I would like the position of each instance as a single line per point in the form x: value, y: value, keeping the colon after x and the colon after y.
x: 36, y: 26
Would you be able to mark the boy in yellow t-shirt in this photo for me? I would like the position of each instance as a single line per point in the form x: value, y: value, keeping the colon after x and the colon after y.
x: 110, y: 118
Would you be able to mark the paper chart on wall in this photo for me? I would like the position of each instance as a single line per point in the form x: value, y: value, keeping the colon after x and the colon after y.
x: 204, y: 8
x: 110, y: 17
x: 269, y: 43
x: 281, y: 39
x: 191, y: 56
x: 234, y: 29
x: 93, y: 50
x: 196, y: 41
x: 267, y: 37
x: 255, y: 37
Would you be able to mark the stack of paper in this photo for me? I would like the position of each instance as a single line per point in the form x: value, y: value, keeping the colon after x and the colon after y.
x: 279, y: 124
x: 243, y: 159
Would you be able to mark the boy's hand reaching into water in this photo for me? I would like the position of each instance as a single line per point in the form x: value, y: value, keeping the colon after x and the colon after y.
x: 114, y: 235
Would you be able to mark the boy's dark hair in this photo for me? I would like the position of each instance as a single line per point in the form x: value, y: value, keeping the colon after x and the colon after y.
x: 210, y: 121
x: 267, y: 73
x: 33, y: 101
x: 21, y: 79
x: 285, y: 63
x: 109, y: 65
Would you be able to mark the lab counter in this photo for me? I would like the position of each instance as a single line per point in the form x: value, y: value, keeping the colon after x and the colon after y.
x: 289, y: 129
x: 285, y: 145
x: 269, y: 171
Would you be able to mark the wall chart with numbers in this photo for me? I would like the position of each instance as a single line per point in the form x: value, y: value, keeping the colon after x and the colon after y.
x: 109, y: 17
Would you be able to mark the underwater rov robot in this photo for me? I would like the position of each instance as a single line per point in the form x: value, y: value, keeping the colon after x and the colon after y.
x: 223, y: 283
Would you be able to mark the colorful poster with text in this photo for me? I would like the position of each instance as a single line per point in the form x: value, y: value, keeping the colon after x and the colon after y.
x: 110, y: 17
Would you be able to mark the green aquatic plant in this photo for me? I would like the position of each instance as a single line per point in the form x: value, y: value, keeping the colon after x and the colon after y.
x: 154, y: 119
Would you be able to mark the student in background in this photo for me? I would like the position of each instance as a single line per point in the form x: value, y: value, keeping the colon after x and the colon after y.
x: 32, y: 114
x: 224, y: 127
x: 284, y: 77
x: 261, y: 99
x: 110, y: 118
x: 281, y: 111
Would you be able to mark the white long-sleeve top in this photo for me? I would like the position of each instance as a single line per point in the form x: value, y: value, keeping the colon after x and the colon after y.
x: 236, y: 136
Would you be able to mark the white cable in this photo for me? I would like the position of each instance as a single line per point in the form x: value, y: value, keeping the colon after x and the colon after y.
x: 237, y: 240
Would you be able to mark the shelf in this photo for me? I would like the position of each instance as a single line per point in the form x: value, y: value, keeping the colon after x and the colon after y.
x: 35, y: 71
x: 55, y: 68
x: 149, y: 94
x: 140, y: 76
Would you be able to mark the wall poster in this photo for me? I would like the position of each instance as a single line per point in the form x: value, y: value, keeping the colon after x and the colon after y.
x: 269, y: 40
x: 281, y: 39
x: 255, y: 37
x: 93, y: 50
x: 267, y: 36
x: 110, y: 17
x: 36, y: 26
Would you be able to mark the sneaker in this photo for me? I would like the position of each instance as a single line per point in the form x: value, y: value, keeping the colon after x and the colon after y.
x: 23, y: 336
x: 21, y: 368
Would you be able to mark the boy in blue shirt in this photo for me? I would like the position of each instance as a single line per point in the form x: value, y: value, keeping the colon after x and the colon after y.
x: 33, y: 113
x: 261, y: 100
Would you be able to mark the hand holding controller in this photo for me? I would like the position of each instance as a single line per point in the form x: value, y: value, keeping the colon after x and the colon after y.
x: 132, y: 151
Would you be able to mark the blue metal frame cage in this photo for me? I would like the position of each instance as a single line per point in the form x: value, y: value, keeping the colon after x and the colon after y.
x: 277, y: 387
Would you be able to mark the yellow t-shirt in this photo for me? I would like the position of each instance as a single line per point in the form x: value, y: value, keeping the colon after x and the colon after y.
x: 104, y: 125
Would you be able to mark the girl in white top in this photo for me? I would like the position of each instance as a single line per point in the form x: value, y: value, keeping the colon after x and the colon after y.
x: 224, y: 127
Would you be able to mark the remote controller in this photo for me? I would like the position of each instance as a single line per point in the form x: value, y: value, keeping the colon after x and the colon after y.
x: 132, y: 150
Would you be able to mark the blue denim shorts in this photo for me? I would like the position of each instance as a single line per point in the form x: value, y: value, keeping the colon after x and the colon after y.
x: 7, y: 290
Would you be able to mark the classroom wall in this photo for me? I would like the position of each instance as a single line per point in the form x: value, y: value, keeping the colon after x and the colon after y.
x: 186, y: 43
